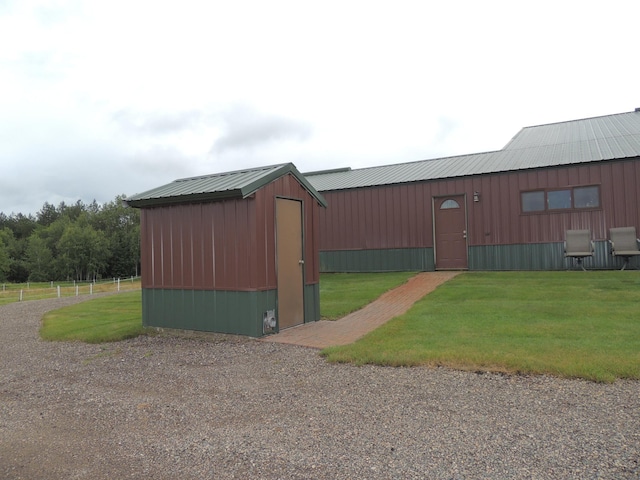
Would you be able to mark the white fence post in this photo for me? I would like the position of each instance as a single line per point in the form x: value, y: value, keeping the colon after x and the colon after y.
x: 76, y: 290
x: 91, y: 289
x: 20, y: 295
x: 118, y: 284
x: 58, y: 291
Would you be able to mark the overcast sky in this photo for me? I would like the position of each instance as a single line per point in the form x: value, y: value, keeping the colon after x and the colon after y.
x: 100, y: 98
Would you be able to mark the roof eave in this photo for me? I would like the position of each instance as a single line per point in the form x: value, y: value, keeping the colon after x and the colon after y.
x: 241, y: 192
x: 190, y: 198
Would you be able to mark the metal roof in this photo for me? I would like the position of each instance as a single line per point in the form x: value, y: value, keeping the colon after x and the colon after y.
x: 577, y: 141
x: 401, y: 173
x: 621, y: 128
x: 217, y: 186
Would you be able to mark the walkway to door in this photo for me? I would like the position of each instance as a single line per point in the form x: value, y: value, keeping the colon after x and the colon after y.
x: 326, y: 333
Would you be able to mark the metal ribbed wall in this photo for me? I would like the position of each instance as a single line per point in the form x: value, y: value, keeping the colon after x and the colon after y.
x: 224, y: 245
x: 400, y: 216
x: 377, y: 260
x: 223, y: 311
x: 200, y: 246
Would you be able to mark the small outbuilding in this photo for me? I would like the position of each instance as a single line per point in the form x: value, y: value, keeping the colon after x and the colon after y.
x: 234, y: 252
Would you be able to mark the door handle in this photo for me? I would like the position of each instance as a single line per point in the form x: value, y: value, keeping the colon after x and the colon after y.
x: 301, y: 262
x: 464, y: 234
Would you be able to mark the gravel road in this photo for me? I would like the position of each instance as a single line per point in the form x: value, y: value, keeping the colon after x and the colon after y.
x: 212, y: 406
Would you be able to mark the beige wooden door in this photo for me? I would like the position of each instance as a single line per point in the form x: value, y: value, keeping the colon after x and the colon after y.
x: 450, y: 233
x: 289, y: 262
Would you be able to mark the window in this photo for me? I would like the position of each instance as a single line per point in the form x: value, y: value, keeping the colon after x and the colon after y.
x: 533, y: 201
x: 449, y: 204
x: 586, y: 197
x: 567, y: 199
x: 558, y: 199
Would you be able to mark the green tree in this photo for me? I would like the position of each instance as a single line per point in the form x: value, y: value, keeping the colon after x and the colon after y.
x: 121, y: 226
x: 51, y: 236
x: 72, y: 241
x: 5, y: 262
x: 39, y: 259
x: 14, y: 250
x: 21, y: 225
x: 47, y: 214
x: 83, y: 250
x: 73, y: 212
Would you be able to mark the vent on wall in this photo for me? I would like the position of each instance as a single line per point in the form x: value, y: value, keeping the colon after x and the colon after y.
x: 268, y: 322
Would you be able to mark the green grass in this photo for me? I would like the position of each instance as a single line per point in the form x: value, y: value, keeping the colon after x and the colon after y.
x: 106, y: 319
x: 117, y: 317
x: 343, y: 293
x: 10, y: 292
x: 569, y: 324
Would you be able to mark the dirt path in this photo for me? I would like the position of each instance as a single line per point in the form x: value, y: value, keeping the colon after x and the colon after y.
x: 353, y: 326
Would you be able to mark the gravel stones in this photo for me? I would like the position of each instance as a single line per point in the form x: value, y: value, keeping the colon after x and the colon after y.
x: 213, y: 406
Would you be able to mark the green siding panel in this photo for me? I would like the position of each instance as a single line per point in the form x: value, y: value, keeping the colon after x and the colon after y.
x: 311, y: 303
x: 378, y: 260
x: 532, y: 256
x: 539, y: 256
x: 207, y: 310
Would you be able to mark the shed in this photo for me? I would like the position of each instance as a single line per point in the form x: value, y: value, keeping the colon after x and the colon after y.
x: 233, y: 252
x: 503, y: 210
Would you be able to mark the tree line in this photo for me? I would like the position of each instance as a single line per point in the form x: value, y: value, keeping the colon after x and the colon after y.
x: 80, y: 242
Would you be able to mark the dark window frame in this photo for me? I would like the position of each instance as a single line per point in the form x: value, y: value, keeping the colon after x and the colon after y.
x: 585, y: 187
x: 538, y: 192
x: 572, y: 208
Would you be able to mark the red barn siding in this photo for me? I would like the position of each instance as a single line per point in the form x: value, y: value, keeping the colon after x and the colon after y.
x: 400, y: 216
x: 223, y: 245
x: 201, y: 245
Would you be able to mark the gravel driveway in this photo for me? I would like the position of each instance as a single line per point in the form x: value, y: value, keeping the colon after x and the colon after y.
x: 206, y: 406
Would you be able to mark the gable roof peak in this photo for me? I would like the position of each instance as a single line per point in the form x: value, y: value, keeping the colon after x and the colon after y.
x: 220, y: 186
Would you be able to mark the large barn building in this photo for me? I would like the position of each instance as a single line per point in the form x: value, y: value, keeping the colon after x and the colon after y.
x: 504, y: 210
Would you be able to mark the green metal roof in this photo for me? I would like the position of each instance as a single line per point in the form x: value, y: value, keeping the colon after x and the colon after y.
x: 578, y: 141
x: 218, y: 186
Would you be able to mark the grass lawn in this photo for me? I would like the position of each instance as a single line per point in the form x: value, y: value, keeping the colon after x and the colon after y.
x: 571, y: 324
x: 11, y: 292
x: 343, y: 293
x: 106, y: 319
x: 117, y: 317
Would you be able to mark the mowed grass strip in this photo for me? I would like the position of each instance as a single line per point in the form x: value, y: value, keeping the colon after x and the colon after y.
x: 343, y: 293
x: 569, y: 324
x: 106, y: 319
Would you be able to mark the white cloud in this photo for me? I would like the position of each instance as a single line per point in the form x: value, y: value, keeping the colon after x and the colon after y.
x: 124, y: 95
x: 244, y: 128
